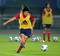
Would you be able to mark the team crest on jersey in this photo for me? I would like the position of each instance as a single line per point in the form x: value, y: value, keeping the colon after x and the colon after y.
x: 24, y: 22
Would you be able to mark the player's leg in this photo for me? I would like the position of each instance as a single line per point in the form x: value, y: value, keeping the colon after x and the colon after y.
x: 22, y: 42
x: 49, y: 31
x: 44, y: 35
x: 44, y: 32
x: 24, y: 37
x: 49, y: 34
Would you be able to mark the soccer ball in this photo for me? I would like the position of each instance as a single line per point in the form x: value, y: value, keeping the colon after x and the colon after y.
x: 11, y: 38
x: 37, y: 38
x: 34, y: 39
x: 44, y: 47
x: 16, y: 39
x: 55, y: 38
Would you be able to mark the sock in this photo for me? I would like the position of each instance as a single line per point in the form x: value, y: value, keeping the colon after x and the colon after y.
x: 49, y: 33
x: 19, y: 49
x: 44, y: 33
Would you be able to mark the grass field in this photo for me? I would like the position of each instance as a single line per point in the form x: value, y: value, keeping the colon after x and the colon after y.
x: 8, y: 48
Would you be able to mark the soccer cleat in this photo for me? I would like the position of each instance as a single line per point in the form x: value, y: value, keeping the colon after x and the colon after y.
x: 18, y: 51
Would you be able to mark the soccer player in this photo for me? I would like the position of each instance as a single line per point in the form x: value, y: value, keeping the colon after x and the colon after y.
x: 26, y: 25
x: 47, y: 21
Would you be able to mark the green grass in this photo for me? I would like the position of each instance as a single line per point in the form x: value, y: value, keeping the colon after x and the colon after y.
x: 8, y: 48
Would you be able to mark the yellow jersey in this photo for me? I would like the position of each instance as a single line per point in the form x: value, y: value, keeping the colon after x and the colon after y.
x: 47, y: 17
x: 24, y: 23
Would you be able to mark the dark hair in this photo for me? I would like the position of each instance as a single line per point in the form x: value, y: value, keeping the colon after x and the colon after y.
x: 47, y: 4
x: 25, y: 9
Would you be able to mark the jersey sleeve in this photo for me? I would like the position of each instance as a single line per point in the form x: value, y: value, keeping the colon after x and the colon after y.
x: 32, y: 18
x: 17, y: 16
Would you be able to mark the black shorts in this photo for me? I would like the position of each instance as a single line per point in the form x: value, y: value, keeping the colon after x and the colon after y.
x: 27, y: 32
x: 47, y: 26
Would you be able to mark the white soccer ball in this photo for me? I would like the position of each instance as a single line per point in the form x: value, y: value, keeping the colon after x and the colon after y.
x: 16, y: 39
x: 37, y: 38
x: 11, y: 38
x: 34, y: 39
x: 44, y: 47
x: 55, y: 38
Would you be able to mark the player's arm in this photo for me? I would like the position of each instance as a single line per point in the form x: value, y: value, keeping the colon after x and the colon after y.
x: 10, y: 20
x: 42, y: 16
x: 33, y: 21
x: 43, y: 13
x: 52, y: 16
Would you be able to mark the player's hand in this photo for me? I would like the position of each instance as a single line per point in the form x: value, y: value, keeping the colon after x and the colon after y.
x: 4, y: 24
